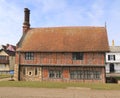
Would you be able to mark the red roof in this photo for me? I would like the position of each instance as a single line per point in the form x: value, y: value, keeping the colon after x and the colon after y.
x: 65, y: 39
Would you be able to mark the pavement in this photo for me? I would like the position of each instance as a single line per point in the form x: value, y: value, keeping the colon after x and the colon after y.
x: 5, y: 79
x: 24, y: 92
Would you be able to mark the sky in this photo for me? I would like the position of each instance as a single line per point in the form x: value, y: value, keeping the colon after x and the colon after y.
x: 55, y: 13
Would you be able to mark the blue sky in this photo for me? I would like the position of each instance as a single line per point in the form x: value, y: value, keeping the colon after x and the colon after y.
x: 50, y: 13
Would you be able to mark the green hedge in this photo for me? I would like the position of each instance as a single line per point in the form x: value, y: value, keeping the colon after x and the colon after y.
x: 2, y: 76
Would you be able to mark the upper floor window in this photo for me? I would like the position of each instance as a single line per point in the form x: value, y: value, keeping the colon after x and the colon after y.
x: 111, y: 57
x: 29, y: 56
x: 77, y: 56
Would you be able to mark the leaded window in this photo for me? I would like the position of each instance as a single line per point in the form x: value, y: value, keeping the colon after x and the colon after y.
x: 84, y: 74
x: 77, y: 56
x: 54, y: 74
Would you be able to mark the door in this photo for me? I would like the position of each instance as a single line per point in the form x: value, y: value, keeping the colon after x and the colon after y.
x: 112, y: 68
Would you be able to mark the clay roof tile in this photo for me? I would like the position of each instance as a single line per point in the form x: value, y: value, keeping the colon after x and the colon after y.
x: 65, y: 39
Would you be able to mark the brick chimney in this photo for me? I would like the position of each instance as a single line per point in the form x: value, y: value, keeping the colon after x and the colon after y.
x: 26, y: 24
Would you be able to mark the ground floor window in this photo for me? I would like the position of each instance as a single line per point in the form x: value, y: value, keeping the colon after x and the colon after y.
x: 54, y: 74
x: 96, y: 75
x: 85, y: 74
x: 36, y: 71
x: 24, y: 71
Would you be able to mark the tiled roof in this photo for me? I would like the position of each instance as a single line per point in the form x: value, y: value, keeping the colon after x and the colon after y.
x: 114, y: 48
x: 65, y: 39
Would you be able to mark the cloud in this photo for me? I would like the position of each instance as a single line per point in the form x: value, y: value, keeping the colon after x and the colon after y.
x: 10, y: 19
x: 113, y: 21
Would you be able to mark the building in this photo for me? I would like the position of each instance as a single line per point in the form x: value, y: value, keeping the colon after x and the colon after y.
x: 7, y: 58
x: 113, y: 61
x: 61, y: 53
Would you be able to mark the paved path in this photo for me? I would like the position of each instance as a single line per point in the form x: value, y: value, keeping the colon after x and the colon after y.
x: 15, y: 92
x: 5, y: 79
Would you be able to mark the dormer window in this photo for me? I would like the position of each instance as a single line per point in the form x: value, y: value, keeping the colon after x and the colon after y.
x: 29, y: 56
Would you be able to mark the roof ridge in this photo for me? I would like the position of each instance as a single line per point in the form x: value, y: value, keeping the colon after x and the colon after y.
x: 69, y: 27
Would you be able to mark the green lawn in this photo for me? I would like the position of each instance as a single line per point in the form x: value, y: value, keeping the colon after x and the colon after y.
x: 59, y: 85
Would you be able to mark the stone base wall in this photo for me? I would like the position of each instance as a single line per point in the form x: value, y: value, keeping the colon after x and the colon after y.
x: 30, y: 73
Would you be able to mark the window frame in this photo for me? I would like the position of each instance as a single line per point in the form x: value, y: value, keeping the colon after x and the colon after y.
x: 111, y: 57
x: 85, y: 74
x: 55, y: 74
x: 77, y: 55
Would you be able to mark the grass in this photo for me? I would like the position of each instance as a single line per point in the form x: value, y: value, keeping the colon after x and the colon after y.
x: 2, y: 76
x: 32, y: 84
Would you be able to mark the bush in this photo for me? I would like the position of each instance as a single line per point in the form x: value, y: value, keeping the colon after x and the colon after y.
x: 111, y: 80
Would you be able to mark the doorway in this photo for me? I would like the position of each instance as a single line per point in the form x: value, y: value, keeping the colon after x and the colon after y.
x: 112, y: 69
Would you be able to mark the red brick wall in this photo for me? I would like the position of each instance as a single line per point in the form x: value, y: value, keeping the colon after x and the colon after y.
x: 64, y: 58
x: 66, y: 73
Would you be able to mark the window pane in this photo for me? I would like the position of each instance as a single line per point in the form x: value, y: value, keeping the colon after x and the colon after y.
x: 74, y: 56
x: 96, y: 75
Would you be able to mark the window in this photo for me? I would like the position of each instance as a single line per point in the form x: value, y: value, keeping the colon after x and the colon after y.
x: 54, y: 74
x: 3, y: 57
x: 96, y: 75
x: 29, y: 56
x: 36, y: 71
x: 84, y: 74
x: 77, y: 56
x: 111, y: 57
x: 30, y: 73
